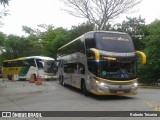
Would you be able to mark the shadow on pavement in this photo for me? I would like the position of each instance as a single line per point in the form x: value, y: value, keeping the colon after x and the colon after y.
x: 100, y: 97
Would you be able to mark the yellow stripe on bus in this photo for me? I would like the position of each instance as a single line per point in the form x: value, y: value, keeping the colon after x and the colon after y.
x: 97, y: 54
x: 117, y: 81
x: 108, y: 93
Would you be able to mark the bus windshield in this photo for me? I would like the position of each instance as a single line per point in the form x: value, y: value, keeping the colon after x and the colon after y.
x: 113, y: 70
x: 49, y: 67
x: 114, y: 42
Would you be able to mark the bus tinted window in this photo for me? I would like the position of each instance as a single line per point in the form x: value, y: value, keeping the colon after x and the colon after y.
x: 31, y: 62
x: 114, y: 42
x: 76, y: 46
x: 39, y: 63
x: 90, y: 43
x: 50, y: 67
x: 70, y: 68
x: 11, y: 64
x: 93, y: 66
x: 76, y: 68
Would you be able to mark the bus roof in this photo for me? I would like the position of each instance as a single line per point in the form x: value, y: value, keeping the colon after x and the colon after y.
x: 30, y: 57
x: 91, y: 32
x: 100, y: 31
x: 41, y: 57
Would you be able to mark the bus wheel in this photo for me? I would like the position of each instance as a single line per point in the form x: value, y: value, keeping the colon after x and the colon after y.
x: 84, y: 89
x: 47, y: 79
x: 9, y: 77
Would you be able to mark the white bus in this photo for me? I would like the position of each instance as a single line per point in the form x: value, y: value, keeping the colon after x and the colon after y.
x: 100, y: 62
x: 25, y: 66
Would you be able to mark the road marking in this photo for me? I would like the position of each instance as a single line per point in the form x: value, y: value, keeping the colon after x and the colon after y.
x: 155, y: 107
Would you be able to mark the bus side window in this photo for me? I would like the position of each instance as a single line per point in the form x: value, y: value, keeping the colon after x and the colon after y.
x: 39, y: 63
x: 31, y: 62
x: 90, y: 43
x: 81, y: 69
x: 65, y: 68
x: 70, y: 68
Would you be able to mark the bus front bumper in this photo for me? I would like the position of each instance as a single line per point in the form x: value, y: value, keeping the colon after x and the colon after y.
x: 101, y: 88
x: 50, y: 77
x: 108, y: 93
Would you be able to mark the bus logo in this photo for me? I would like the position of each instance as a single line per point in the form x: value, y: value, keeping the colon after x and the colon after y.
x: 122, y: 75
x: 6, y: 114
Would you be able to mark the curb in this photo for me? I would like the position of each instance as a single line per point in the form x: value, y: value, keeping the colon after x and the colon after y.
x: 149, y: 87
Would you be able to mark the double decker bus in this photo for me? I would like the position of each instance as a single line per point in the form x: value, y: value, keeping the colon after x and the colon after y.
x: 100, y: 62
x: 25, y: 66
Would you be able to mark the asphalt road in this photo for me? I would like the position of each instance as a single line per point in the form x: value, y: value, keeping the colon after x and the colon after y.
x: 25, y: 96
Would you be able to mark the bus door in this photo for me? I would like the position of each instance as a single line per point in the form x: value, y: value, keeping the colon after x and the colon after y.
x: 78, y: 75
x: 75, y: 75
x: 67, y: 76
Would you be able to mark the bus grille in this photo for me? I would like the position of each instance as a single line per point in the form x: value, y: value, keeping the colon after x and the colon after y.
x: 118, y: 83
x: 115, y: 90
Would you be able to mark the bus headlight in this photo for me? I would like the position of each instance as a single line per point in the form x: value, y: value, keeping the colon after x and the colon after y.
x: 101, y: 83
x: 46, y: 76
x: 135, y: 84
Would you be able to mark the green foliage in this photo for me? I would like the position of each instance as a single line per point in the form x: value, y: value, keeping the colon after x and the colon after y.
x: 15, y: 46
x: 2, y: 38
x: 28, y: 30
x: 150, y: 72
x: 135, y: 27
x: 79, y: 30
x: 20, y: 47
x: 52, y: 39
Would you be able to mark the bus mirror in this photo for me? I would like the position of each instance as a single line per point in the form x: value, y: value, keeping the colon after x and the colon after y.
x: 143, y: 56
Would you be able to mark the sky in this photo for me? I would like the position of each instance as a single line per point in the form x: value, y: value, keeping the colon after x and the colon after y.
x: 34, y: 12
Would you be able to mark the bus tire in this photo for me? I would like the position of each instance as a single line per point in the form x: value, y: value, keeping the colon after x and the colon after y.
x: 9, y: 77
x: 47, y: 79
x: 83, y: 88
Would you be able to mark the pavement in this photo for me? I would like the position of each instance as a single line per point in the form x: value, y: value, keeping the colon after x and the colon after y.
x: 8, y: 87
x: 50, y: 96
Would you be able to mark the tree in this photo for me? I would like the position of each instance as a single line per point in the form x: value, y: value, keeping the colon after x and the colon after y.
x: 20, y: 47
x: 77, y: 31
x: 52, y: 39
x: 3, y: 12
x: 4, y: 2
x: 149, y: 73
x: 99, y: 12
x: 2, y: 39
x: 28, y: 30
x: 135, y: 27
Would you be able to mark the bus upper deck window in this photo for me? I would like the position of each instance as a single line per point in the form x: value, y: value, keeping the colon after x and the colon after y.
x: 90, y: 43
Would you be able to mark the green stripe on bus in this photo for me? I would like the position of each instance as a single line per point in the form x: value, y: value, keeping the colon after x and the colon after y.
x: 24, y: 70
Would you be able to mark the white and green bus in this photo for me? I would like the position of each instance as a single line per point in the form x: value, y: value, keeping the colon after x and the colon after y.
x: 25, y: 66
x: 100, y: 62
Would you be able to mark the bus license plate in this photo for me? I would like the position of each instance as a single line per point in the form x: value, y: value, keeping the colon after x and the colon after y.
x: 120, y: 92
